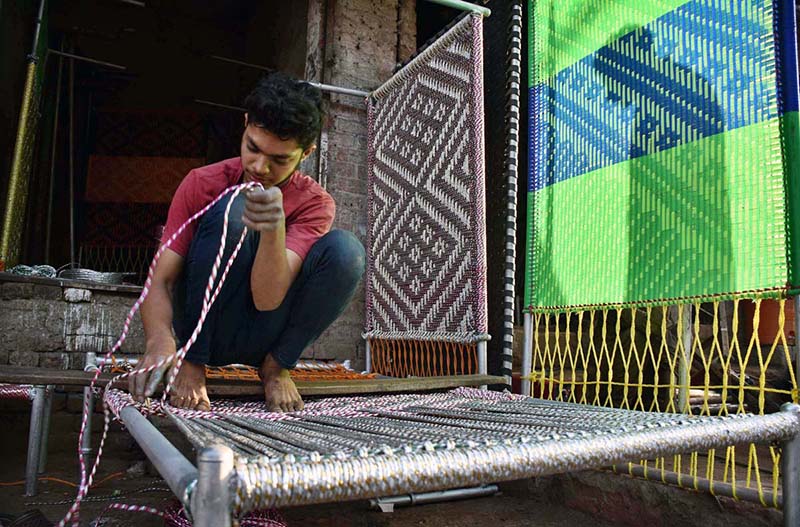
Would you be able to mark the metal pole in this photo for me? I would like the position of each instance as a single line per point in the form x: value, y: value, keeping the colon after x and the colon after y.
x: 86, y: 59
x: 388, y: 503
x: 683, y: 361
x: 797, y: 338
x: 527, y: 355
x: 717, y: 488
x: 368, y: 357
x: 176, y: 470
x: 339, y: 89
x: 86, y: 443
x: 48, y: 410
x: 220, y: 105
x: 49, y: 229
x: 790, y: 468
x: 463, y: 6
x: 71, y: 162
x: 321, y: 86
x: 483, y: 362
x: 211, y: 501
x: 34, y: 441
x: 37, y: 31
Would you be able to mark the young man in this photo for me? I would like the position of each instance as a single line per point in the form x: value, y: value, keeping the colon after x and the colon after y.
x: 292, y: 277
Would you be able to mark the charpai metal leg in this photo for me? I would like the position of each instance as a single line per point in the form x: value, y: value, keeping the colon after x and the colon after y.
x: 790, y: 468
x: 48, y: 410
x: 86, y: 442
x: 211, y: 500
x: 483, y: 361
x: 527, y: 356
x: 34, y: 440
x: 368, y: 367
x: 683, y: 361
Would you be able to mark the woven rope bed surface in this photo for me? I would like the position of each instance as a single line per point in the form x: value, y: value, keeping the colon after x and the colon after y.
x: 359, y: 447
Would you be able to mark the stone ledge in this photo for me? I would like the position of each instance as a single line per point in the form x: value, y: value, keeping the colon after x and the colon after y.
x: 8, y: 278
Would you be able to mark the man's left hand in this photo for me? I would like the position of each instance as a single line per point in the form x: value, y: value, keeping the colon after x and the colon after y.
x: 263, y: 209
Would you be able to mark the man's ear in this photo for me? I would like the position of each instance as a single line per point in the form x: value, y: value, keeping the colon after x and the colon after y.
x: 310, y: 150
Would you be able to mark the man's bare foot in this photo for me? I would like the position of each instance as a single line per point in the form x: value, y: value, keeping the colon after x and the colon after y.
x: 280, y: 393
x: 189, y: 389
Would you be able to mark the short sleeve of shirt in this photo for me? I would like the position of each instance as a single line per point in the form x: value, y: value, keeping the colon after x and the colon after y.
x: 182, y: 208
x: 310, y: 222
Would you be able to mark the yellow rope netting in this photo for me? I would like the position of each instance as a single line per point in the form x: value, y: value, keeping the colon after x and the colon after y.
x: 713, y: 358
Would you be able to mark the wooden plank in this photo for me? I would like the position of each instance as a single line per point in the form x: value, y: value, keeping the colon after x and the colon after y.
x: 41, y: 376
x: 366, y: 386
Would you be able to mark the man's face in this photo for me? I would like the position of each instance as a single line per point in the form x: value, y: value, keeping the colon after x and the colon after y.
x: 268, y: 159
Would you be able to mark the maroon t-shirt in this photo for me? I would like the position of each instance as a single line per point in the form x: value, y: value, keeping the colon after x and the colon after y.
x: 308, y: 209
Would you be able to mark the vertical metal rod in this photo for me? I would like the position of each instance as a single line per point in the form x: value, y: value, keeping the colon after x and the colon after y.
x: 368, y: 357
x: 211, y: 500
x: 683, y: 361
x: 86, y: 442
x: 34, y: 441
x: 527, y: 355
x: 51, y: 192
x: 88, y: 401
x: 790, y: 469
x: 48, y: 410
x: 71, y: 161
x: 483, y: 361
x: 37, y: 31
x: 797, y: 338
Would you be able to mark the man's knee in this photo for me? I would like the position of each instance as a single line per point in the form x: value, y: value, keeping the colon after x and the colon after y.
x: 344, y: 254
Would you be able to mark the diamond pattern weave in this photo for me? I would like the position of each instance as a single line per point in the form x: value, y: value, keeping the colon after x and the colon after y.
x: 427, y: 271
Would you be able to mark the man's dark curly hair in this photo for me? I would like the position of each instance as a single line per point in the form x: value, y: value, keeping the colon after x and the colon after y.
x: 288, y: 108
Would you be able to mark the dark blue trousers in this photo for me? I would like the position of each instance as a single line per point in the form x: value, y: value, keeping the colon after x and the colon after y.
x: 235, y: 331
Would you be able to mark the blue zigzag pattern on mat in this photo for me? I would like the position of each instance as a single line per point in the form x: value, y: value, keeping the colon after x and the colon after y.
x: 702, y: 69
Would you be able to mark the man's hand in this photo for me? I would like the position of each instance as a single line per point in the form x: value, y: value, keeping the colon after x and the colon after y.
x: 144, y: 385
x: 263, y: 209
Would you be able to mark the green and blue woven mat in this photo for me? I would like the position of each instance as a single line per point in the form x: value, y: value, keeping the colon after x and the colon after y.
x: 663, y: 151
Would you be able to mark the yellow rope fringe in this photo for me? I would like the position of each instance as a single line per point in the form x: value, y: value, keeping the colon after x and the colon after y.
x: 711, y: 358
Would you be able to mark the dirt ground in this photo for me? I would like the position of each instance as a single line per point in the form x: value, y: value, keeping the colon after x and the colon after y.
x: 124, y: 477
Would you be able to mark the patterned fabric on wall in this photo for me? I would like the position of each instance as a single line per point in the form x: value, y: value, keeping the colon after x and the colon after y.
x: 155, y: 133
x: 139, y: 179
x: 124, y: 223
x: 662, y: 146
x: 426, y: 276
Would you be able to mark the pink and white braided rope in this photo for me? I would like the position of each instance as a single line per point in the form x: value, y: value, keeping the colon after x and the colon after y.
x: 211, y: 293
x: 16, y: 391
x: 175, y: 515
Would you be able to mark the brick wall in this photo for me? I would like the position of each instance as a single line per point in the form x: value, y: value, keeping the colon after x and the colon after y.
x: 360, y: 48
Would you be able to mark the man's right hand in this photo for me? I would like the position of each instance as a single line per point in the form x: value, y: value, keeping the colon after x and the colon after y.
x: 143, y: 385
